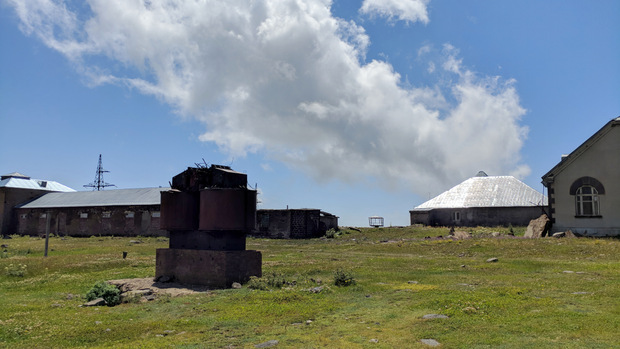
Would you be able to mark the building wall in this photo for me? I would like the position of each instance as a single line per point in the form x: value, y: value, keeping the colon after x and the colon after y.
x: 2, y: 210
x: 274, y: 224
x: 305, y: 224
x: 88, y: 221
x: 9, y: 198
x: 602, y: 162
x: 477, y: 216
x: 328, y: 222
x: 419, y: 217
x: 293, y: 224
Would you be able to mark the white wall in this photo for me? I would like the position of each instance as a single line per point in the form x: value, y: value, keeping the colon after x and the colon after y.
x: 600, y: 161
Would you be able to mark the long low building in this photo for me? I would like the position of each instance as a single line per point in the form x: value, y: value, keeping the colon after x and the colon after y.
x: 133, y: 212
x: 287, y: 223
x: 125, y: 212
x: 29, y: 205
x: 482, y: 201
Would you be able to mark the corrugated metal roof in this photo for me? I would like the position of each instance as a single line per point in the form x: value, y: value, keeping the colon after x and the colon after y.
x: 118, y: 197
x: 492, y: 191
x: 38, y: 184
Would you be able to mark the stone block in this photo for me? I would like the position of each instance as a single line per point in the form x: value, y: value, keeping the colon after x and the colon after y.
x: 538, y: 227
x: 218, y: 269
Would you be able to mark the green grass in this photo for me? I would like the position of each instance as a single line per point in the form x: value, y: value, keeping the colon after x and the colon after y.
x: 543, y: 293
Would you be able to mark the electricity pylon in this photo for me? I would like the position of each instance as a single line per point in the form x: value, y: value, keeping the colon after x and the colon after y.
x: 99, y: 183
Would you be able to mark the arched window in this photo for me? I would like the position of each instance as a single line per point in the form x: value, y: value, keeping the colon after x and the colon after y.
x: 589, y: 181
x: 586, y: 201
x: 587, y: 191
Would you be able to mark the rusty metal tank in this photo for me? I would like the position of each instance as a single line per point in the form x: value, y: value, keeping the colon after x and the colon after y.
x: 179, y: 210
x: 227, y: 209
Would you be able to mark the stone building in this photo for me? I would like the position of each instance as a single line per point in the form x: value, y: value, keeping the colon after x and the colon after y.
x: 294, y: 223
x: 16, y: 189
x: 584, y: 187
x: 120, y: 212
x: 482, y: 201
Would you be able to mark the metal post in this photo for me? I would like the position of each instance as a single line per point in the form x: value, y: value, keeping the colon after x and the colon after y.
x: 48, y: 215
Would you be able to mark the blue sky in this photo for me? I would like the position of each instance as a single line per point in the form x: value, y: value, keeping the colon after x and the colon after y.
x: 358, y: 108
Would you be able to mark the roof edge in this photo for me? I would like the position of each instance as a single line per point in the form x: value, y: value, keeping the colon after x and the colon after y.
x: 559, y: 167
x: 468, y: 207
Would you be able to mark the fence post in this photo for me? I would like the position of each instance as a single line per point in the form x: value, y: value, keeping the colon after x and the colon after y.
x: 48, y: 217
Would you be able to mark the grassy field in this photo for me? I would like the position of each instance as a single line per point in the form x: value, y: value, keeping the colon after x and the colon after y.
x: 541, y: 293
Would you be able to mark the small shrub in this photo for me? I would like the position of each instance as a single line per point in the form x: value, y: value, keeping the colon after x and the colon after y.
x: 331, y: 233
x: 271, y: 280
x: 276, y: 280
x: 343, y: 278
x: 18, y: 270
x: 109, y: 293
x: 257, y: 283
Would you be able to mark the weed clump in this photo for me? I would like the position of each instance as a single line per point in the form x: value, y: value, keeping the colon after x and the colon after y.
x: 18, y: 270
x: 271, y: 280
x: 109, y: 293
x: 257, y: 283
x: 331, y: 233
x: 343, y: 278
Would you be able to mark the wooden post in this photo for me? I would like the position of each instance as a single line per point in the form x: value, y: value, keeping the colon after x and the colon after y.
x: 48, y: 217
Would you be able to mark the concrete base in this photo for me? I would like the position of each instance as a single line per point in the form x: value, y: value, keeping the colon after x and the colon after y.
x: 208, y: 240
x: 206, y: 267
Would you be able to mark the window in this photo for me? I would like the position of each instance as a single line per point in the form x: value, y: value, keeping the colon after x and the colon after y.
x: 456, y: 216
x: 155, y: 214
x: 106, y: 214
x: 264, y: 221
x: 128, y: 214
x: 43, y: 215
x: 83, y: 215
x: 587, y: 191
x: 586, y: 201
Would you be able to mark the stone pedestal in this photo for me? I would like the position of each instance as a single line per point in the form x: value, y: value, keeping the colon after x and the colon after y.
x: 217, y: 269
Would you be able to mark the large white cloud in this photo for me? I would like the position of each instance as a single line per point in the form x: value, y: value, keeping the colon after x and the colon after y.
x: 288, y: 79
x: 404, y: 10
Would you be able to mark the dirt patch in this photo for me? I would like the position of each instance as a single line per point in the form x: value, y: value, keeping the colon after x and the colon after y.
x: 171, y: 288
